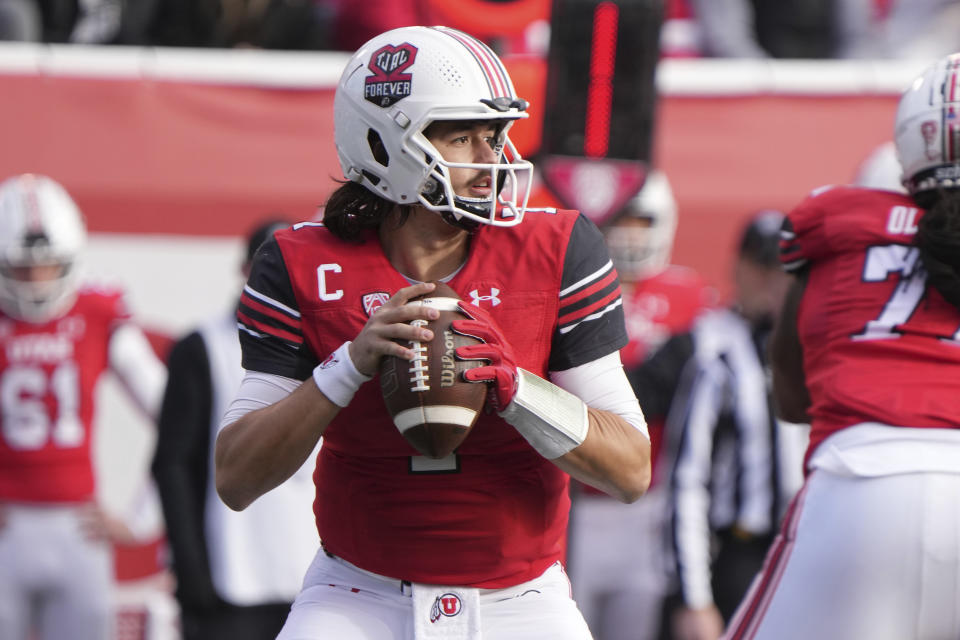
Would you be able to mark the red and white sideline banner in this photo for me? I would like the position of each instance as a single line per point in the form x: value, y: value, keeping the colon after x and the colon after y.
x: 201, y: 142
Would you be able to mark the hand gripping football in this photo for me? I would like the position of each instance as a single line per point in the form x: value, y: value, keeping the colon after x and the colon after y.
x: 430, y: 402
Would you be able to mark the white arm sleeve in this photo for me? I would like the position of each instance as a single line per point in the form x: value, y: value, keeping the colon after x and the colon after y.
x: 139, y: 369
x: 602, y: 384
x: 258, y: 390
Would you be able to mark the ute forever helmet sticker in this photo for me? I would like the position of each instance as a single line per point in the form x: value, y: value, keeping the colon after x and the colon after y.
x: 389, y: 83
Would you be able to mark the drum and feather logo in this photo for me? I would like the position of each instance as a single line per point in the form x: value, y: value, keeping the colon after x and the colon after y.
x: 449, y: 605
x: 389, y: 82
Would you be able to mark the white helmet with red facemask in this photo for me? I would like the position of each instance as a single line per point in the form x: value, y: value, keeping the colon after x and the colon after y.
x: 400, y: 82
x: 40, y: 227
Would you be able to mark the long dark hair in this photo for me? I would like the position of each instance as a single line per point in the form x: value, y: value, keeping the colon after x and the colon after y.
x: 352, y: 208
x: 938, y: 238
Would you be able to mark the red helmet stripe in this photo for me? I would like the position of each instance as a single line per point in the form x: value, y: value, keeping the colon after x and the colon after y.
x: 31, y: 202
x: 493, y: 70
x: 953, y: 140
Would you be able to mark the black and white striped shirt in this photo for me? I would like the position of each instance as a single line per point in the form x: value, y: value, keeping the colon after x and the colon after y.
x: 729, y: 467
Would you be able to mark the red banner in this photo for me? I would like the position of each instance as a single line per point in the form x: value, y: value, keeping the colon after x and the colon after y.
x: 155, y: 154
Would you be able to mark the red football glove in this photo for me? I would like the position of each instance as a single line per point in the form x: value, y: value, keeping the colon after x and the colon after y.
x: 501, y: 370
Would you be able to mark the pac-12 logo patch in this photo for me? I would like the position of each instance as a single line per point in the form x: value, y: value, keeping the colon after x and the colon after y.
x: 389, y: 82
x: 373, y: 301
x: 448, y: 604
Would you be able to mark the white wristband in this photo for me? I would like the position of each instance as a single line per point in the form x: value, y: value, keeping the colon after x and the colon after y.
x: 337, y: 377
x: 551, y: 419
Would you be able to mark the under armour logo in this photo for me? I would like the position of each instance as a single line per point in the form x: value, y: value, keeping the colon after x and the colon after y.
x: 476, y: 298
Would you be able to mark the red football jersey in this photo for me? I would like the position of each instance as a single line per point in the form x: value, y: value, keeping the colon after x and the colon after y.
x: 661, y: 306
x: 48, y: 374
x: 879, y: 344
x: 495, y: 513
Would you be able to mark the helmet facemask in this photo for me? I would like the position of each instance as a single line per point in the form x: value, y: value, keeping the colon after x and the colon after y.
x: 36, y: 300
x: 640, y: 239
x: 510, y: 179
x: 33, y: 299
x: 637, y: 251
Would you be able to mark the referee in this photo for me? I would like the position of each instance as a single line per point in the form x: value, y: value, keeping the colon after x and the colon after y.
x: 731, y: 469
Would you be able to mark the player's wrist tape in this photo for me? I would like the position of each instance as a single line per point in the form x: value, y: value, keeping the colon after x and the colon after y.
x: 551, y: 419
x: 337, y: 377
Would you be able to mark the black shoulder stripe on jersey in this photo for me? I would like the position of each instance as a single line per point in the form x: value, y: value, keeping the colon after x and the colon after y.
x: 590, y: 320
x: 269, y: 318
x: 259, y: 314
x: 791, y: 253
x: 590, y: 298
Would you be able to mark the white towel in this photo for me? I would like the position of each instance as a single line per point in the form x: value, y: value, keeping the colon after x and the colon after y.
x: 445, y: 613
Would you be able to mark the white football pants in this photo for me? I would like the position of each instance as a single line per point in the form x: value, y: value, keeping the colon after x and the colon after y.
x: 616, y: 563
x: 861, y: 557
x: 341, y: 602
x: 51, y: 575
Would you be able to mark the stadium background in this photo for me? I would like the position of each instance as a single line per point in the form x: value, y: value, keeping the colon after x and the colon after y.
x: 174, y: 154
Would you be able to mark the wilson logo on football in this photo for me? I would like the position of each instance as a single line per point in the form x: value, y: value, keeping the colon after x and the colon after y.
x: 491, y: 298
x: 389, y: 83
x: 373, y: 301
x: 448, y: 605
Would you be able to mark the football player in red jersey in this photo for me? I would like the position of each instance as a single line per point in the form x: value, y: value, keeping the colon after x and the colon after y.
x: 471, y: 543
x: 56, y: 339
x: 868, y: 348
x: 616, y: 551
x: 659, y: 299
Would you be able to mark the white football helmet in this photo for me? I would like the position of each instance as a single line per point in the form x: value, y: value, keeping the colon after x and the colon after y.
x: 39, y: 225
x: 399, y: 82
x: 927, y: 131
x: 640, y: 238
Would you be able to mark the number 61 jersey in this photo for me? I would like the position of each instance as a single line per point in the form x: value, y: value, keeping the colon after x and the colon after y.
x: 48, y: 375
x: 879, y: 343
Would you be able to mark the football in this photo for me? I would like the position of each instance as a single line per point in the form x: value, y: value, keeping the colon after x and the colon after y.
x: 430, y: 402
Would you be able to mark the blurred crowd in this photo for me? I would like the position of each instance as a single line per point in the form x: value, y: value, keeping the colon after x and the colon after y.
x: 811, y: 29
